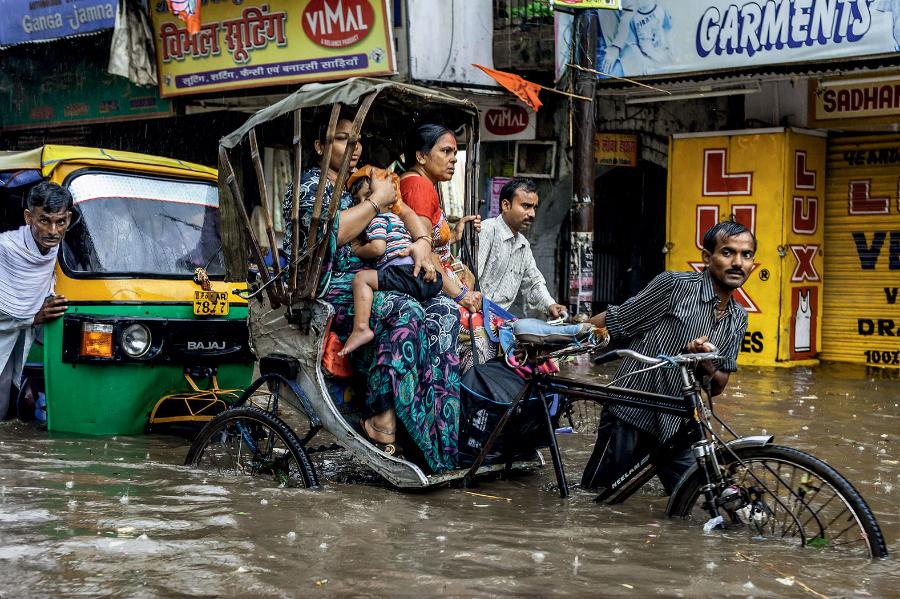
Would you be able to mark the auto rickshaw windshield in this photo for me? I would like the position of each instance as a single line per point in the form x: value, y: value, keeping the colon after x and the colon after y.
x: 140, y: 225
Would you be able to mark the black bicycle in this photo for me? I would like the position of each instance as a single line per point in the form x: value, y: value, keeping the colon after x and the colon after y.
x: 747, y: 484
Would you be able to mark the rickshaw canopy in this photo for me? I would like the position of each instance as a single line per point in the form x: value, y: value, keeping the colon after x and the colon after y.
x: 348, y: 92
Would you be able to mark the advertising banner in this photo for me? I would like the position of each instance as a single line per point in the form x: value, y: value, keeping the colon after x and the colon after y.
x: 82, y: 92
x: 655, y: 37
x: 40, y: 20
x: 250, y: 44
x: 720, y: 177
x: 495, y: 184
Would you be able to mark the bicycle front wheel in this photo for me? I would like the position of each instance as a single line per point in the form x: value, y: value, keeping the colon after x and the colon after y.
x: 248, y: 441
x: 782, y: 494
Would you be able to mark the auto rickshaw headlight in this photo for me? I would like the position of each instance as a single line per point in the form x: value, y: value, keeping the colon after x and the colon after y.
x: 96, y: 340
x: 136, y: 340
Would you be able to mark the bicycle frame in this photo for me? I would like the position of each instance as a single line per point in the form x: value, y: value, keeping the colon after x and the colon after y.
x: 698, y: 437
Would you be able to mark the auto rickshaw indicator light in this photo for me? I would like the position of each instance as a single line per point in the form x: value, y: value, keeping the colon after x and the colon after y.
x: 96, y: 340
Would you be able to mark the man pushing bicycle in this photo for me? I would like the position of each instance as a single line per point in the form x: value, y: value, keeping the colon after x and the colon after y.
x: 676, y: 312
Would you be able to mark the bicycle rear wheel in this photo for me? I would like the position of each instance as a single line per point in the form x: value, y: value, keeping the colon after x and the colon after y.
x: 802, y: 500
x: 248, y: 441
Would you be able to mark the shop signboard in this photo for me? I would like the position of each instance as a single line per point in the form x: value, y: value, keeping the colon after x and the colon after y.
x: 714, y: 177
x: 243, y: 45
x: 507, y: 121
x: 608, y: 4
x: 862, y: 262
x: 615, y: 149
x: 41, y: 20
x: 874, y: 99
x: 38, y: 93
x: 658, y: 37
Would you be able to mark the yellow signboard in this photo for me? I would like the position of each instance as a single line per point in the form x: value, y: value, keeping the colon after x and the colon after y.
x: 252, y: 44
x: 717, y: 177
x: 610, y: 4
x: 862, y: 263
x: 615, y: 149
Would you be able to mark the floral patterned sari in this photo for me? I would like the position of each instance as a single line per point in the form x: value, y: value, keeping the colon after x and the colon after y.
x: 412, y: 365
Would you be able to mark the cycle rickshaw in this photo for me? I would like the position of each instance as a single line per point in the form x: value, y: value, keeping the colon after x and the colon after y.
x: 747, y: 483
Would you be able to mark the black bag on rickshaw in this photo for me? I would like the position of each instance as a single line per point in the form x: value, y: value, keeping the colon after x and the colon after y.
x: 486, y: 393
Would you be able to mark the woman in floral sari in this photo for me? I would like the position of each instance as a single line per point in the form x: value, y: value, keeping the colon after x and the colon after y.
x: 411, y: 366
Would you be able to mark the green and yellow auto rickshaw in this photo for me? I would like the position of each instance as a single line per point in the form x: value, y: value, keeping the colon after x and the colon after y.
x: 152, y: 334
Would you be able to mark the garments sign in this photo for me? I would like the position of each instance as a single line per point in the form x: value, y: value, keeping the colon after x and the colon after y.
x: 656, y: 37
x: 35, y: 92
x: 506, y: 122
x: 862, y: 262
x: 250, y: 44
x: 872, y: 101
x: 716, y: 177
x: 615, y: 149
x: 40, y: 20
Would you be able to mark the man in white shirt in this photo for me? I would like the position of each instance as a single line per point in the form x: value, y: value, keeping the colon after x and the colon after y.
x: 506, y: 265
x: 27, y: 263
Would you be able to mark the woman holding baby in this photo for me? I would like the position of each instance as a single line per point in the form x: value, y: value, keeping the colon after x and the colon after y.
x: 411, y: 364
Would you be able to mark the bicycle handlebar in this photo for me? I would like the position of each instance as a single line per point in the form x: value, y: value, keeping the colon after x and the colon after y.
x: 676, y: 359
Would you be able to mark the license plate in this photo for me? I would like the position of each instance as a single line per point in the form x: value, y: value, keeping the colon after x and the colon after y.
x: 210, y: 303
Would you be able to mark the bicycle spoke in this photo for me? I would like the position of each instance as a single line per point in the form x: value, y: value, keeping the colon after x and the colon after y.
x: 813, y: 510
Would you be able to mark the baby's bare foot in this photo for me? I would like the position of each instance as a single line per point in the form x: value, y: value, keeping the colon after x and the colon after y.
x: 356, y: 340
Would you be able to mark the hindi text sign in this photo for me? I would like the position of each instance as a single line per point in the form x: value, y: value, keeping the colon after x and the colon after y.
x: 273, y: 43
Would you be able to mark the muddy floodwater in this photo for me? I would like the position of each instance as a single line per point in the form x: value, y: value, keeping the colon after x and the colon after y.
x: 120, y: 517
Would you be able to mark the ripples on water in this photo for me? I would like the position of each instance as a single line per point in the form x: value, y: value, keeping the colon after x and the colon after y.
x: 118, y: 517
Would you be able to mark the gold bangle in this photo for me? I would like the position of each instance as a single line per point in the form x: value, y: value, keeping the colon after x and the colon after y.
x: 428, y: 238
x: 374, y: 205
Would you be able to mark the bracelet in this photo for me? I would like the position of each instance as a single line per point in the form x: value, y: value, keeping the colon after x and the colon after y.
x: 462, y: 294
x: 374, y: 205
x: 426, y: 237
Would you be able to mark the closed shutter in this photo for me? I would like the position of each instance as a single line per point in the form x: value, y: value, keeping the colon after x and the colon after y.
x: 861, y: 312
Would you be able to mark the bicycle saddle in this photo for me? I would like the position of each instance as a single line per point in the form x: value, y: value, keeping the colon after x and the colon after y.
x: 537, y: 332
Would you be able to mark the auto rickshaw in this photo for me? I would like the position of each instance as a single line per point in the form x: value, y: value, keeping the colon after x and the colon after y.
x: 152, y: 335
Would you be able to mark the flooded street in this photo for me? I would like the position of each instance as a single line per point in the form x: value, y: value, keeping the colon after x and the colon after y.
x: 119, y: 517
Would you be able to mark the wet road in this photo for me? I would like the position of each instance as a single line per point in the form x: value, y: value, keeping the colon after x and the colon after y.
x: 118, y: 517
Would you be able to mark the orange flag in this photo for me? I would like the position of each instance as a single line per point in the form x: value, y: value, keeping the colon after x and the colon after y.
x: 524, y: 90
x: 188, y: 11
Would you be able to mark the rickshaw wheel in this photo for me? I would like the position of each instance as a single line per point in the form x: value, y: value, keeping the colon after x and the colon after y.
x: 247, y: 441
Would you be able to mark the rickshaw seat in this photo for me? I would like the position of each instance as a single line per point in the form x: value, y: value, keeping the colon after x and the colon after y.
x: 533, y: 331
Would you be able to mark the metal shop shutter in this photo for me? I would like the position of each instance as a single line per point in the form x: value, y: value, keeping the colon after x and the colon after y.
x: 861, y: 313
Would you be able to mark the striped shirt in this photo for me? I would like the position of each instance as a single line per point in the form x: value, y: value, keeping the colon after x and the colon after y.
x: 675, y: 308
x: 389, y: 228
x: 506, y: 267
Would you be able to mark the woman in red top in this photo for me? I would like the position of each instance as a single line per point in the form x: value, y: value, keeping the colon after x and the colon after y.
x: 430, y: 157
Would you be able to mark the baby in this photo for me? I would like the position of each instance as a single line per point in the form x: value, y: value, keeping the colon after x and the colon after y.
x: 384, y: 240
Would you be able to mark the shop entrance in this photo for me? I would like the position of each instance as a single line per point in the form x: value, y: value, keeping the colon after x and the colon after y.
x: 629, y: 231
